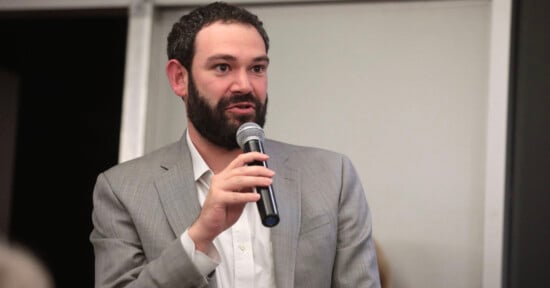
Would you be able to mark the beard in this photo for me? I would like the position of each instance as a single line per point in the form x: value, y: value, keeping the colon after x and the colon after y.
x: 214, y: 124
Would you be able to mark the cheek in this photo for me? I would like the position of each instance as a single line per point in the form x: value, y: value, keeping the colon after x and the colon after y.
x: 260, y: 87
x: 213, y: 90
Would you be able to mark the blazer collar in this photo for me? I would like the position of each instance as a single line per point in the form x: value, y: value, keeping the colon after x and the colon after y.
x: 284, y: 236
x: 176, y: 187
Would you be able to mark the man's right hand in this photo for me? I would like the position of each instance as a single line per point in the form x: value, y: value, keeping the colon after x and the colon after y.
x: 229, y: 193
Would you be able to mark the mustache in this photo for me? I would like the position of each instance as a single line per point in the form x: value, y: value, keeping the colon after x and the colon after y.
x: 248, y: 97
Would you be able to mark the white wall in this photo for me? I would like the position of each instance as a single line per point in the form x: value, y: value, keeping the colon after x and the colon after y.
x: 402, y: 89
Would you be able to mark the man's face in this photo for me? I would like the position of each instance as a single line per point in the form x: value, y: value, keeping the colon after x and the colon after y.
x: 228, y: 81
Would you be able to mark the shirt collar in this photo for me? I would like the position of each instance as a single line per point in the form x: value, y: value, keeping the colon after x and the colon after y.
x: 199, y: 166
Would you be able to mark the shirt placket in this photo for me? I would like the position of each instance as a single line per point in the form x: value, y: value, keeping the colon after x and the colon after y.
x: 242, y: 252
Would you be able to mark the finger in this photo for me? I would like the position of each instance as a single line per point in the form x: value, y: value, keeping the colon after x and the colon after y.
x: 233, y: 198
x: 236, y: 179
x: 238, y: 183
x: 250, y: 171
x: 246, y: 158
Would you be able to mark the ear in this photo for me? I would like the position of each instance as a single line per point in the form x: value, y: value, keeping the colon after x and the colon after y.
x: 178, y: 77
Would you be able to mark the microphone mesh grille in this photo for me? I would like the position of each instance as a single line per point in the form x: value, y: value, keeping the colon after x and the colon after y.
x: 249, y: 131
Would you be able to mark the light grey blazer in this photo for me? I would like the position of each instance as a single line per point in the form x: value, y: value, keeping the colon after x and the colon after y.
x: 141, y: 207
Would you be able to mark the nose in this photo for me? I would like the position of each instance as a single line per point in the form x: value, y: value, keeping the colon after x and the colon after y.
x: 241, y: 83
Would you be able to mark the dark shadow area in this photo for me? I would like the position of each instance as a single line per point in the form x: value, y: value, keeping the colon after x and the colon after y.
x: 70, y: 70
x: 527, y: 238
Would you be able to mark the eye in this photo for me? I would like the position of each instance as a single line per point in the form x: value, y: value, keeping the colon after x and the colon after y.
x: 258, y: 69
x: 222, y: 68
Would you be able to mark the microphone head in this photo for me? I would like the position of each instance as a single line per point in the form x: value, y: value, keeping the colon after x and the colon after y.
x: 249, y: 131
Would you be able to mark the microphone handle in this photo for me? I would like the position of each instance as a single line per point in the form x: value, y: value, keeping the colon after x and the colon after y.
x: 267, y: 205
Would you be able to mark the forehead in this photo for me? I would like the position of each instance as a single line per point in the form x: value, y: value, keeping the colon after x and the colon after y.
x: 229, y: 38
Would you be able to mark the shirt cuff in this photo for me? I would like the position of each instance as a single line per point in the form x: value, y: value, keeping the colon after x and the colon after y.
x: 205, y: 263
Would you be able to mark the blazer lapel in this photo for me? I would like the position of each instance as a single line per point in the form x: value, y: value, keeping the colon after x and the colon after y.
x: 177, y: 190
x: 284, y: 236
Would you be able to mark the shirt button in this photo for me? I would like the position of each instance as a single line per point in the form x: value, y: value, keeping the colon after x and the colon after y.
x: 242, y: 247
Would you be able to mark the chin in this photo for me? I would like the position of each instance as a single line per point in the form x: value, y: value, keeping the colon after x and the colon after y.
x: 238, y: 121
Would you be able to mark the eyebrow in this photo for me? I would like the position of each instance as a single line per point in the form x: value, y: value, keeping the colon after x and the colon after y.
x: 228, y: 57
x: 261, y: 59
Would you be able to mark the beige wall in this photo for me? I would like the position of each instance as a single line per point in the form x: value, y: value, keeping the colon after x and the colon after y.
x: 402, y: 89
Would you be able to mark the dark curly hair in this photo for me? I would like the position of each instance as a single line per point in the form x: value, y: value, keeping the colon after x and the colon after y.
x: 181, y: 40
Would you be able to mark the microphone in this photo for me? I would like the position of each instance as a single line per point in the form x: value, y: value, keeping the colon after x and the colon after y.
x: 250, y: 137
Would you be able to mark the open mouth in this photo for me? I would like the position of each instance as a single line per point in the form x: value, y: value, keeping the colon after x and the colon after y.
x: 241, y: 106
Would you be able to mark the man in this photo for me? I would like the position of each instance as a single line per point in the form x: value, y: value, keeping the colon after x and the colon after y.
x: 184, y: 215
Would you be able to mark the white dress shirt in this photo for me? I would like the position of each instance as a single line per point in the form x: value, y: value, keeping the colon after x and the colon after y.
x: 242, y: 255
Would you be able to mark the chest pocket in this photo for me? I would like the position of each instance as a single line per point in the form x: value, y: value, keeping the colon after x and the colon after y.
x: 312, y: 224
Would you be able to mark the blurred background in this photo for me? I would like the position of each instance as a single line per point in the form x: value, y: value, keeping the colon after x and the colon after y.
x: 62, y: 79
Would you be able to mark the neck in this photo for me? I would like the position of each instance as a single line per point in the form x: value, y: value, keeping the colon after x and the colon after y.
x: 216, y: 157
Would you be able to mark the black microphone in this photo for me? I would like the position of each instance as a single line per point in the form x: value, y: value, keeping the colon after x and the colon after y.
x: 250, y: 137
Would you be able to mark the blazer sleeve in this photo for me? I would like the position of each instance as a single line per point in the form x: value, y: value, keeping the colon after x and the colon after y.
x: 355, y: 263
x: 119, y: 257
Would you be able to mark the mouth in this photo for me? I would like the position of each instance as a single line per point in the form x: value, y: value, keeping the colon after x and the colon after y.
x: 241, y: 108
